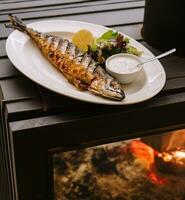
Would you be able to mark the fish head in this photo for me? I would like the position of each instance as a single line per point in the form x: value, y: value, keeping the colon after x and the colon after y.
x: 108, y: 88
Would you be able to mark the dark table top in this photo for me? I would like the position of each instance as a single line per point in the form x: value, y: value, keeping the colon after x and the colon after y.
x: 28, y: 106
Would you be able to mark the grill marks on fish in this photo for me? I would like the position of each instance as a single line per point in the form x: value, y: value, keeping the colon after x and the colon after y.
x: 78, y: 67
x: 68, y: 59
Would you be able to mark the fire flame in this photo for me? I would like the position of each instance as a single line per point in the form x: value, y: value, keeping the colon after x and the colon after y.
x: 156, y: 179
x: 177, y: 157
x: 172, y: 140
x: 147, y: 155
x: 179, y: 154
x: 143, y: 152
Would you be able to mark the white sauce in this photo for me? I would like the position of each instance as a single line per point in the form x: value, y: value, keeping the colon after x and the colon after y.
x: 121, y: 64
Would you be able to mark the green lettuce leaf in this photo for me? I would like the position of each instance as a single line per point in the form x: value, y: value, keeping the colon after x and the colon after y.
x: 104, y: 38
x: 109, y: 35
x: 132, y: 50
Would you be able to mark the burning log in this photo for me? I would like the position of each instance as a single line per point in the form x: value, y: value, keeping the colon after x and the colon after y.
x: 171, y: 162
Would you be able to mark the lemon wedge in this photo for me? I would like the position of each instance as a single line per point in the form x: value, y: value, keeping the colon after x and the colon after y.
x: 82, y: 39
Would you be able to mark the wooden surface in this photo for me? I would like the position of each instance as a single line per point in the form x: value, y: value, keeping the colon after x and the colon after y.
x: 36, y: 120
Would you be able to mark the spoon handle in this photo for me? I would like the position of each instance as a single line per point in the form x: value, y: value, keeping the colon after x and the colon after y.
x: 159, y: 56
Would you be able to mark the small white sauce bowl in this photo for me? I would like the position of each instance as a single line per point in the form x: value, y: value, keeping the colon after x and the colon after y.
x: 126, y: 76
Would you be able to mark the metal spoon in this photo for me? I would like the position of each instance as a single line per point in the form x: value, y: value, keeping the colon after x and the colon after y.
x: 157, y: 57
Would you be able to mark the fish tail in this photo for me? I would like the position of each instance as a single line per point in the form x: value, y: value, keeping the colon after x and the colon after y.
x: 16, y: 23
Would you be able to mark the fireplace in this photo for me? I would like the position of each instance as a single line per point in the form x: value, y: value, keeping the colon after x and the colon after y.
x: 146, y: 168
x: 81, y: 160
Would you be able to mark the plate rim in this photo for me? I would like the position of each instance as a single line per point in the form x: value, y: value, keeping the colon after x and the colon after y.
x: 104, y: 100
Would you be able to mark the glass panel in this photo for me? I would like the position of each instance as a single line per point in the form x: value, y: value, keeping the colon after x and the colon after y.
x: 147, y: 168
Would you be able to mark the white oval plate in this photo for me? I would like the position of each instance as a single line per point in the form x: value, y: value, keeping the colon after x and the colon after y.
x: 28, y: 59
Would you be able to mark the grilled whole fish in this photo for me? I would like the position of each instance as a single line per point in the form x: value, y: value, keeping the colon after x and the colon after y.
x: 78, y: 67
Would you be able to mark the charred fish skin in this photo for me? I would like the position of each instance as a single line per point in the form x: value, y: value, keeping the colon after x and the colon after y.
x: 78, y: 67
